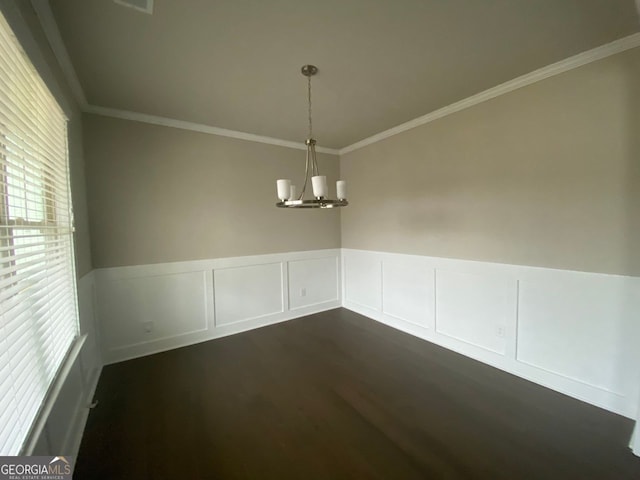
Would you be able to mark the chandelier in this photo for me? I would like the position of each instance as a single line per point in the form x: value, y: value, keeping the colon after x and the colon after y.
x: 287, y: 191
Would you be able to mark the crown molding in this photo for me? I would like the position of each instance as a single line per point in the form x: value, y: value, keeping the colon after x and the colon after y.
x: 51, y: 31
x: 198, y: 127
x: 557, y: 68
x: 50, y: 28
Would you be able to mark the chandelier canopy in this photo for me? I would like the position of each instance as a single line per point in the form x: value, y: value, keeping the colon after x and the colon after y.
x: 287, y: 192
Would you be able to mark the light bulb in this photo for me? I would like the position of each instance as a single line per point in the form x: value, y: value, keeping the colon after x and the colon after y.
x: 284, y: 189
x: 319, y: 183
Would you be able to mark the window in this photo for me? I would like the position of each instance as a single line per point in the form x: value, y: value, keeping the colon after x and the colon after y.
x: 39, y: 320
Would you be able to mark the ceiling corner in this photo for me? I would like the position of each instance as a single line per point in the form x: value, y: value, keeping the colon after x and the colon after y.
x: 50, y: 28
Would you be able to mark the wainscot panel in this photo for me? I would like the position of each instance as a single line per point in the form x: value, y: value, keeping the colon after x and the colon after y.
x: 363, y: 282
x: 313, y: 281
x: 146, y: 309
x: 474, y: 308
x: 91, y: 359
x: 408, y: 292
x: 570, y: 331
x: 68, y: 409
x: 248, y: 293
x: 582, y: 317
x: 635, y: 439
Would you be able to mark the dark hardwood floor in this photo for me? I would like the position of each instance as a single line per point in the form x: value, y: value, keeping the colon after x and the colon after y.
x: 336, y: 395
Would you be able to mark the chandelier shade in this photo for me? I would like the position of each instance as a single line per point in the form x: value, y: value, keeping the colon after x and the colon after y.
x: 287, y: 193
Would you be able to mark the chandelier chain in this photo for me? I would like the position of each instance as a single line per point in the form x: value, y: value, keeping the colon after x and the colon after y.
x: 309, y: 98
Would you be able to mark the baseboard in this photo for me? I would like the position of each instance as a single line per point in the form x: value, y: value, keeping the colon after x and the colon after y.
x: 74, y: 438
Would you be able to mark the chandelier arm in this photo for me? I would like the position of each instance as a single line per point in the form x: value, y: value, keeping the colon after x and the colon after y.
x: 314, y: 161
x: 306, y: 175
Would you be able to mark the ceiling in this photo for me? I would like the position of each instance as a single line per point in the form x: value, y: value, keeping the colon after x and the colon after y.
x: 235, y: 64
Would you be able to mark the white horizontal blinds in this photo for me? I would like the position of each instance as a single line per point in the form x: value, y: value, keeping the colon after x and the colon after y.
x: 37, y: 279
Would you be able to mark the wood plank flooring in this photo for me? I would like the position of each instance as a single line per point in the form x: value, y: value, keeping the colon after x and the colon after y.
x: 338, y: 396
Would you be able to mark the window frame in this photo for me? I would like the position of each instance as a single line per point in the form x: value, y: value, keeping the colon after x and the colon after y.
x: 39, y: 151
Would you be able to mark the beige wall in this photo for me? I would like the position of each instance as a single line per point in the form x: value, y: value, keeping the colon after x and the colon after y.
x: 78, y: 191
x: 26, y: 26
x: 160, y: 194
x: 548, y: 175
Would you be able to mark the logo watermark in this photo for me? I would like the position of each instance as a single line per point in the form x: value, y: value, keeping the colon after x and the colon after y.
x: 36, y: 468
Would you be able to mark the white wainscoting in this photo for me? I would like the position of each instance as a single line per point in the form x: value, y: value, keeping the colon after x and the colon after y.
x: 313, y: 282
x: 163, y: 306
x: 574, y: 332
x: 635, y: 438
x: 404, y: 296
x: 248, y: 293
x: 151, y: 308
x: 473, y: 308
x: 64, y: 425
